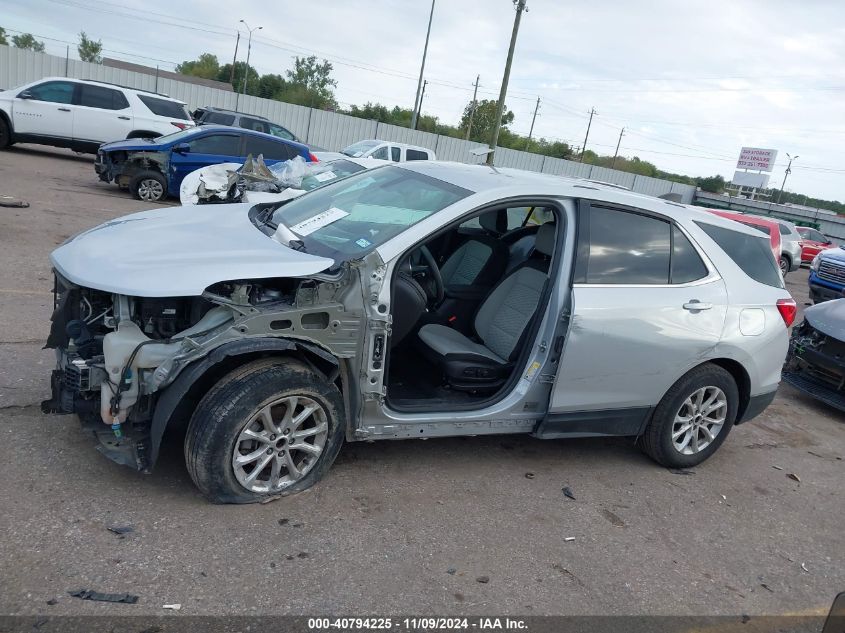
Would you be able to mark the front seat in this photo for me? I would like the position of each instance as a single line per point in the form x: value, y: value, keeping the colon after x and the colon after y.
x: 480, y: 260
x: 500, y: 325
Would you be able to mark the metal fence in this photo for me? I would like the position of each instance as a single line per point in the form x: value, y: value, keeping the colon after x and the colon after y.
x: 328, y: 130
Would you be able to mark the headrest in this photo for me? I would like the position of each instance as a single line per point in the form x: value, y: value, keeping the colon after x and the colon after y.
x: 494, y: 221
x: 545, y: 241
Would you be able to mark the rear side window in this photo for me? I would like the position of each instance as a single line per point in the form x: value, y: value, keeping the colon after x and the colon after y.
x: 220, y: 144
x: 248, y: 123
x: 752, y: 254
x: 784, y: 230
x: 163, y: 107
x: 103, y: 98
x: 269, y: 148
x: 219, y: 118
x: 280, y: 132
x: 686, y: 263
x: 415, y: 154
x: 396, y: 154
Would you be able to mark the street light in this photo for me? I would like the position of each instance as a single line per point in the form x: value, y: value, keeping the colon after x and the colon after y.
x: 248, y: 51
x: 785, y: 174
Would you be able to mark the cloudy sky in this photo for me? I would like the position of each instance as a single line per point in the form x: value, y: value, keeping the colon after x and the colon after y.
x: 691, y: 81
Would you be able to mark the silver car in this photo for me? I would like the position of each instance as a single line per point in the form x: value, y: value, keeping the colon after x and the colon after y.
x: 413, y: 301
x: 790, y: 241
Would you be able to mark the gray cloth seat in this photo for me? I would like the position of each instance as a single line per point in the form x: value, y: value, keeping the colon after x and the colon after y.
x: 500, y: 325
x: 480, y: 260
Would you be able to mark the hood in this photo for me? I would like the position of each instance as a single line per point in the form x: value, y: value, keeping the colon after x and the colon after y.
x: 828, y: 318
x: 837, y: 253
x: 178, y: 252
x: 133, y: 145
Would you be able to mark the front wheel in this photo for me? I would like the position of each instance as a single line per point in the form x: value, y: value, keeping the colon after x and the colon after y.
x: 784, y: 265
x: 270, y: 428
x: 693, y: 418
x: 149, y: 186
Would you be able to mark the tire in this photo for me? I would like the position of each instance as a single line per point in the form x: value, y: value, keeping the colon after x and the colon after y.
x: 657, y: 440
x: 149, y: 186
x: 233, y: 408
x: 784, y: 264
x: 5, y: 134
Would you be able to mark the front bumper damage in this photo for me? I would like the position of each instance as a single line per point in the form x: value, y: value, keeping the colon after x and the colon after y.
x: 121, y: 166
x: 815, y: 365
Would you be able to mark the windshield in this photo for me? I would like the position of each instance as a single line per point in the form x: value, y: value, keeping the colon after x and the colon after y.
x: 360, y: 148
x: 279, y: 131
x: 352, y: 216
x: 177, y: 136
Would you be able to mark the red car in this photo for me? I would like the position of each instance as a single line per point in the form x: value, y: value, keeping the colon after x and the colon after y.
x: 812, y: 243
x: 763, y: 225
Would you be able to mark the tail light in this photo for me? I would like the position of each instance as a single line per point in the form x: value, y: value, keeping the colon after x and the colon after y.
x: 180, y: 125
x: 788, y: 309
x: 313, y: 158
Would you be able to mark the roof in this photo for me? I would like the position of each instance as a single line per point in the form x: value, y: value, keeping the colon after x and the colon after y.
x: 97, y: 82
x: 216, y: 109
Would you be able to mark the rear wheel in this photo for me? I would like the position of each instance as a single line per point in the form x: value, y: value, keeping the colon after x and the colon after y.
x: 149, y: 186
x: 5, y: 134
x: 784, y: 264
x: 270, y: 428
x: 693, y: 418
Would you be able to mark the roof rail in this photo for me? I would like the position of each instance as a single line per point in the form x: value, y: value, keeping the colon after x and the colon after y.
x: 109, y: 83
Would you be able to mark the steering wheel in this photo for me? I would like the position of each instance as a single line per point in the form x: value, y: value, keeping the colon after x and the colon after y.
x: 434, y: 271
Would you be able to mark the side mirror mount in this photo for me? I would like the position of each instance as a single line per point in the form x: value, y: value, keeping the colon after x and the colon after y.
x: 182, y: 148
x: 26, y: 94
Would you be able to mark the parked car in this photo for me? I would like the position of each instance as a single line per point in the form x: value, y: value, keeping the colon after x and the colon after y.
x: 81, y: 115
x: 152, y: 169
x: 218, y: 116
x: 791, y: 246
x: 387, y: 150
x: 763, y: 225
x: 813, y: 242
x: 827, y: 275
x: 413, y: 301
x: 815, y: 363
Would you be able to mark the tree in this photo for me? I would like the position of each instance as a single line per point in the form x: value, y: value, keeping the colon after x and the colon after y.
x: 238, y: 81
x: 484, y: 119
x: 26, y: 41
x: 270, y: 86
x: 89, y: 50
x: 713, y: 184
x: 206, y: 66
x: 310, y: 83
x: 3, y: 40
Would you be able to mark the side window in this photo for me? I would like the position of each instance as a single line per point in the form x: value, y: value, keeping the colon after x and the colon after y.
x: 752, y: 254
x: 620, y: 247
x: 52, y: 91
x: 269, y: 148
x: 248, y: 123
x: 380, y: 153
x: 219, y: 118
x: 223, y: 144
x: 280, y: 132
x: 415, y: 154
x: 784, y: 230
x: 396, y: 154
x: 686, y: 263
x: 102, y: 98
x: 163, y: 107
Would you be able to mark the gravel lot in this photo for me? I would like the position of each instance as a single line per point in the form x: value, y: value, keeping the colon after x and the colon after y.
x: 396, y: 527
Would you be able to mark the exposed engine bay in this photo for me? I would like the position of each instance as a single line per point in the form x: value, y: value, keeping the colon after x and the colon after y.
x: 815, y: 364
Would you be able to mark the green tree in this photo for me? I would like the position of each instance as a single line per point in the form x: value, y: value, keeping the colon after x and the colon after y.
x: 3, y: 40
x: 271, y: 86
x: 206, y: 66
x: 26, y: 41
x: 484, y: 120
x: 713, y: 184
x: 310, y: 83
x: 237, y: 83
x: 89, y: 50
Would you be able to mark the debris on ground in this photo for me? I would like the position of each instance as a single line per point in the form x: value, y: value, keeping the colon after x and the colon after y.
x: 87, y: 594
x: 746, y: 619
x: 777, y: 467
x: 303, y: 555
x: 724, y: 498
x: 483, y: 579
x: 13, y: 203
x: 766, y: 587
x: 451, y: 571
x: 172, y: 607
x: 804, y: 567
x: 614, y: 518
x: 283, y: 521
x: 120, y: 530
x: 794, y: 477
x: 52, y: 601
x: 681, y: 471
x: 529, y: 475
x: 567, y: 492
x: 568, y: 538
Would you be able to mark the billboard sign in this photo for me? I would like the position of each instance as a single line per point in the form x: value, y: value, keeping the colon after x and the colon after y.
x: 750, y: 179
x: 757, y: 158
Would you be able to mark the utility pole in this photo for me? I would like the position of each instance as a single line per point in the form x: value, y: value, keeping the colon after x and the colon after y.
x: 422, y: 96
x: 531, y: 131
x: 500, y: 107
x: 422, y: 70
x: 618, y: 143
x: 474, y: 105
x: 785, y: 174
x: 235, y: 59
x: 248, y: 51
x: 589, y: 123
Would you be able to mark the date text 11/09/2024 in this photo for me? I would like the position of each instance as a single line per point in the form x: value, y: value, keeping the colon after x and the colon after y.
x: 417, y: 624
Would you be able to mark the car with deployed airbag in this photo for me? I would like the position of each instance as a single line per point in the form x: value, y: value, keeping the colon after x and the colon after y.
x: 414, y: 300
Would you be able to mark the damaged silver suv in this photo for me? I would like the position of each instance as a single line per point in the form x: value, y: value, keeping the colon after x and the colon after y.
x: 412, y: 301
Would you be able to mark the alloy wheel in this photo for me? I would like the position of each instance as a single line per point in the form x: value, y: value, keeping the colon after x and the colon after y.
x: 699, y: 420
x: 150, y: 190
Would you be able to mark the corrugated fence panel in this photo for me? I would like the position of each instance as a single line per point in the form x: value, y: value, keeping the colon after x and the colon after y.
x: 328, y: 130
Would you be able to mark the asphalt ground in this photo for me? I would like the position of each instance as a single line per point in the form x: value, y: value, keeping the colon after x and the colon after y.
x: 406, y: 527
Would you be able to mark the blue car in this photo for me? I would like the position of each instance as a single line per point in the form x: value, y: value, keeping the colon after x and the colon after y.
x: 827, y: 275
x: 153, y: 168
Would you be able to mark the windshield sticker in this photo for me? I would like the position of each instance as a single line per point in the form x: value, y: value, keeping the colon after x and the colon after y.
x: 324, y: 176
x: 315, y: 223
x: 363, y: 243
